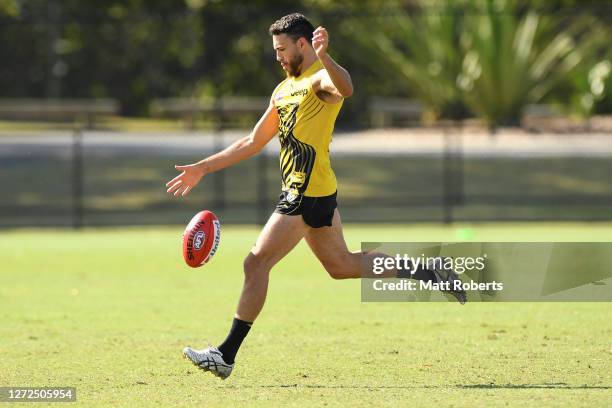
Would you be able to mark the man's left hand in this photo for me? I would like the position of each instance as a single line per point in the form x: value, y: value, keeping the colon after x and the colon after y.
x: 320, y: 41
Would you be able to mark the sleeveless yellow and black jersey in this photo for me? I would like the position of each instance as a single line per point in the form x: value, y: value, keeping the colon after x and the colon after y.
x: 306, y: 126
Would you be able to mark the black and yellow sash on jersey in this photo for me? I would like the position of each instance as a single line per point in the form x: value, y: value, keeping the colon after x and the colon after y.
x: 306, y: 126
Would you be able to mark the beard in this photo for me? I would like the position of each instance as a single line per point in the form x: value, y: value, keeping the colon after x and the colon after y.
x: 293, y: 68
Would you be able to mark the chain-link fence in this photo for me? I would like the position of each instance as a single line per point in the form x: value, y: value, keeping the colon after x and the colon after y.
x: 95, y: 178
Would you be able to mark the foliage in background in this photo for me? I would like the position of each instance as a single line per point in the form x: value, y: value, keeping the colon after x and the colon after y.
x: 418, y: 51
x: 512, y: 60
x: 458, y: 57
x: 589, y: 89
x: 130, y: 50
x: 491, y: 57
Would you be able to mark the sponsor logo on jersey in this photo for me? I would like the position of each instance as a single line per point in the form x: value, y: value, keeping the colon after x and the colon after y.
x: 300, y: 92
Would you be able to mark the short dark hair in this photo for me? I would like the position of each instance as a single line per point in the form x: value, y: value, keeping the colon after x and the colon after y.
x: 295, y: 25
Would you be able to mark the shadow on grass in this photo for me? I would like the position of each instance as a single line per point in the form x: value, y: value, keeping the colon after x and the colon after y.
x: 558, y: 386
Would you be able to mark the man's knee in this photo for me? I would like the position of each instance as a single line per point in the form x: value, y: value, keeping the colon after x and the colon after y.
x: 256, y: 265
x: 338, y: 268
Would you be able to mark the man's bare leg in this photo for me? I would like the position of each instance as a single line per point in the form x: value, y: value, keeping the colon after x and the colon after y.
x: 278, y: 237
x: 329, y: 246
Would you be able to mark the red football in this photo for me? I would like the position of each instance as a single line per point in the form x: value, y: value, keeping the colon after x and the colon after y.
x: 201, y: 238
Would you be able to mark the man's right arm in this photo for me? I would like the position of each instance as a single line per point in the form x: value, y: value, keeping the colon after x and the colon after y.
x: 264, y: 130
x: 191, y: 174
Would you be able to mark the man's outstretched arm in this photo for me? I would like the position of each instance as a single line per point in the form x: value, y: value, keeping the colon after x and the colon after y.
x: 191, y: 174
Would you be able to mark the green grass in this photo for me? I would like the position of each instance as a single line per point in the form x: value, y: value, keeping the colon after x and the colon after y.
x: 109, y: 310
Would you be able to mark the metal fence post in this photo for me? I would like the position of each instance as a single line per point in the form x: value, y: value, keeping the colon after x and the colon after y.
x: 452, y: 170
x: 447, y: 178
x: 77, y: 178
x: 459, y: 167
x: 219, y: 176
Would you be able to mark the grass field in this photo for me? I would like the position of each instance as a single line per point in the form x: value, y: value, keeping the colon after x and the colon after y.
x: 109, y: 310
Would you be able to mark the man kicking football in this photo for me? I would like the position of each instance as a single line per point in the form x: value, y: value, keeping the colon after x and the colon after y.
x: 302, y: 111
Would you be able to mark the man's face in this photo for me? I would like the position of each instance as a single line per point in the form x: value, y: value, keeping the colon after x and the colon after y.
x: 289, y: 53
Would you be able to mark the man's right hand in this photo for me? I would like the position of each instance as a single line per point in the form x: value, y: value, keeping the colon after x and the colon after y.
x: 190, y: 176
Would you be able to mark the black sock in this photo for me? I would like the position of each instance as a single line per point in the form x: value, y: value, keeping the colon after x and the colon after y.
x: 232, y: 343
x: 424, y: 275
x: 419, y: 274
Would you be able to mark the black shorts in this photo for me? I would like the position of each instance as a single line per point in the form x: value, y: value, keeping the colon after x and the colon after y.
x: 317, y: 212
